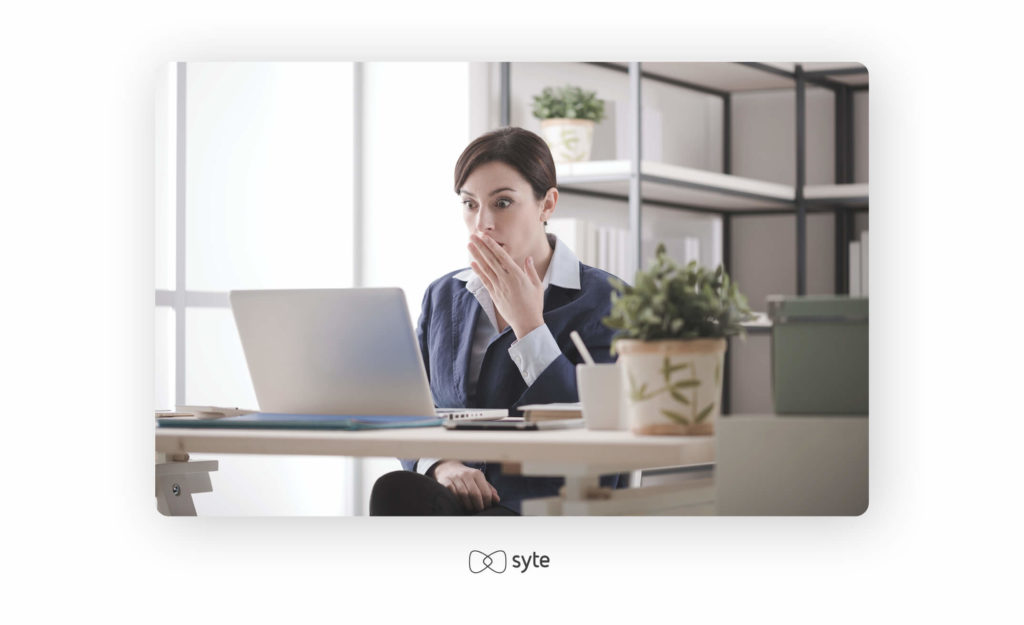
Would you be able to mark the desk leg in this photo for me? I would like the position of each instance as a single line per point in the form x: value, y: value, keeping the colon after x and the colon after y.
x: 177, y: 480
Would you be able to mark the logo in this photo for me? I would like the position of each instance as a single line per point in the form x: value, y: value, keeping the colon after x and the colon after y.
x: 497, y: 561
x: 480, y: 561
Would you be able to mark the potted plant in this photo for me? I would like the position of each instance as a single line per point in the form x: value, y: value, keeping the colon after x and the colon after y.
x: 568, y: 115
x: 671, y: 340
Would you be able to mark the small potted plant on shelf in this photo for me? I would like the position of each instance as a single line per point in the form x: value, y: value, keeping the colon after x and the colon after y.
x: 671, y: 340
x: 568, y: 115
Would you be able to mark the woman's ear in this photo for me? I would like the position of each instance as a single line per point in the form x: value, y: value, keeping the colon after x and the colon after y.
x: 550, y: 201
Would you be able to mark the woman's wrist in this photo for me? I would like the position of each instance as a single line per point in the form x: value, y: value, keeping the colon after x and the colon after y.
x: 521, y: 329
x: 439, y: 464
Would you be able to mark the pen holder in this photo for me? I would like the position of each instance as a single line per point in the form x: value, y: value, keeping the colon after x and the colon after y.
x: 600, y: 396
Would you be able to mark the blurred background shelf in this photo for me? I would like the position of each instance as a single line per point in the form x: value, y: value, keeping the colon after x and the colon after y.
x: 698, y: 189
x: 761, y: 167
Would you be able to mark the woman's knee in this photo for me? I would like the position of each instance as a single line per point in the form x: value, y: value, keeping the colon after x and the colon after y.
x: 408, y: 493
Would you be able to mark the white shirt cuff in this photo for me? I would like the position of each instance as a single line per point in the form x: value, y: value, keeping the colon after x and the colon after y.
x: 424, y: 464
x: 534, y: 352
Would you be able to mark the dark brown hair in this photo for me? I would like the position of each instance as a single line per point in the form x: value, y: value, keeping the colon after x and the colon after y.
x: 518, y: 148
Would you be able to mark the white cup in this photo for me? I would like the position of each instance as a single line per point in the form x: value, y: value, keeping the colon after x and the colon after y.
x: 600, y: 396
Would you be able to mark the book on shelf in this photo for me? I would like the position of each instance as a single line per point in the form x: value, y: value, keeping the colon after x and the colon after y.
x: 549, y: 412
x: 622, y: 260
x: 578, y: 234
x: 601, y: 262
x: 614, y: 251
x: 855, y: 269
x: 691, y: 250
x: 603, y: 247
x: 864, y: 263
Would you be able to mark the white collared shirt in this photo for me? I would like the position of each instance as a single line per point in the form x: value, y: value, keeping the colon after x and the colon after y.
x: 535, y: 351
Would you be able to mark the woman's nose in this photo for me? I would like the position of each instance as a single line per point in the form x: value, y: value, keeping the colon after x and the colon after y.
x: 484, y: 220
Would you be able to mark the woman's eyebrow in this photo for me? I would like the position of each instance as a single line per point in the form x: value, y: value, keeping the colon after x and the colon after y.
x: 495, y: 192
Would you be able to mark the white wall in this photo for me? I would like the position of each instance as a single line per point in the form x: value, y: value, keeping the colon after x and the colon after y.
x: 764, y: 135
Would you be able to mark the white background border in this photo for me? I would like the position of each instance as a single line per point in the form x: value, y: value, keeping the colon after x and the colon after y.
x: 941, y: 537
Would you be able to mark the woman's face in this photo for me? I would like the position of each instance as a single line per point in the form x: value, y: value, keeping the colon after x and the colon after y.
x: 498, y: 201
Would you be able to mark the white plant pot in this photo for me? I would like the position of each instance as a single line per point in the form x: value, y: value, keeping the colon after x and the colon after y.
x: 570, y: 140
x: 672, y: 386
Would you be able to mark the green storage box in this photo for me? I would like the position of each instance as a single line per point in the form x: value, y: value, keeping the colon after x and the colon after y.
x: 819, y: 354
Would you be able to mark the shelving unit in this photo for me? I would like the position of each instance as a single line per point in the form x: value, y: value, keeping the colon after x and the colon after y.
x: 641, y: 182
x: 660, y: 184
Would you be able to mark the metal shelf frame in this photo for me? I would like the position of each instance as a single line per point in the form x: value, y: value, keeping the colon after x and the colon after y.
x: 801, y: 206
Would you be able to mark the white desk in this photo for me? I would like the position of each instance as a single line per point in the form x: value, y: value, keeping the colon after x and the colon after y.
x: 578, y: 455
x: 764, y: 464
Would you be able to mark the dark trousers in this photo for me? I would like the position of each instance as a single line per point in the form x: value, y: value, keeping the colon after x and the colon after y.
x: 405, y: 493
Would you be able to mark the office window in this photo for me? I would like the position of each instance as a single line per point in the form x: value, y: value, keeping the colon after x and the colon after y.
x: 256, y: 159
x: 413, y: 229
x: 216, y: 373
x: 269, y: 175
x: 163, y: 352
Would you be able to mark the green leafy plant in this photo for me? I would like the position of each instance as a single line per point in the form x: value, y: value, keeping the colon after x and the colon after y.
x: 672, y: 302
x: 568, y: 102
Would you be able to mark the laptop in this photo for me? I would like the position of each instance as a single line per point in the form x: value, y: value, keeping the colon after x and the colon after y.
x: 337, y: 352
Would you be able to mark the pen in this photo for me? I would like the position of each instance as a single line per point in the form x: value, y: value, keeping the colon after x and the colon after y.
x: 580, y: 346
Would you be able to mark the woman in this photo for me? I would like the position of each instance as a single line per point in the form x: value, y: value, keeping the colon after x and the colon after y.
x: 496, y: 335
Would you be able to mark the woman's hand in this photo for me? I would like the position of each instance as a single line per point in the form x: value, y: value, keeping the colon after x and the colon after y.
x: 471, y: 487
x: 517, y: 292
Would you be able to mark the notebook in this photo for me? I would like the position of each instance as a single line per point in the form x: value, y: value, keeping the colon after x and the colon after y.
x: 272, y: 421
x: 546, y: 412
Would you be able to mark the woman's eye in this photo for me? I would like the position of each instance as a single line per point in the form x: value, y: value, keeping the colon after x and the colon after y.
x: 503, y: 203
x: 467, y: 204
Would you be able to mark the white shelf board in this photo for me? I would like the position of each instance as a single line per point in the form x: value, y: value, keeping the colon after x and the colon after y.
x: 697, y: 187
x: 676, y: 184
x: 855, y: 194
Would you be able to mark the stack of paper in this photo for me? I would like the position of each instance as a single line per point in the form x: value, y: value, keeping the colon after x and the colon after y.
x: 859, y: 266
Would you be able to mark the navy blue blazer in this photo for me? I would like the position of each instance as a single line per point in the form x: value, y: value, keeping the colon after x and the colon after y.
x: 445, y: 332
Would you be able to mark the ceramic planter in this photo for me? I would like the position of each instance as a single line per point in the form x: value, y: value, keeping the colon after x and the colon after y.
x: 570, y: 140
x: 672, y: 386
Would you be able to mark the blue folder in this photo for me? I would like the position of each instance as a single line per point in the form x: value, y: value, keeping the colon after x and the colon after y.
x: 275, y: 421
